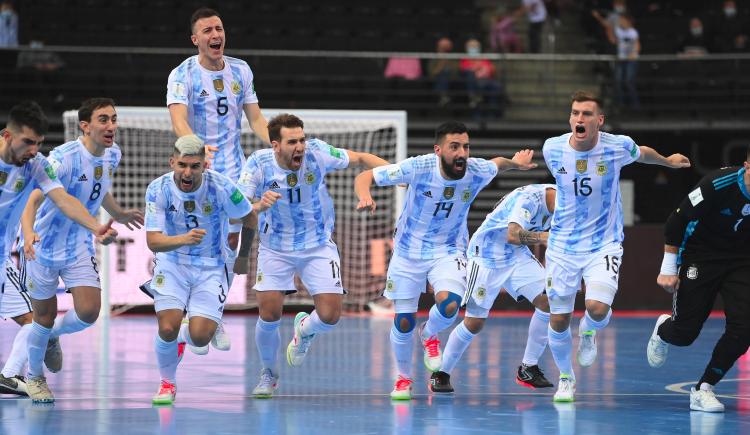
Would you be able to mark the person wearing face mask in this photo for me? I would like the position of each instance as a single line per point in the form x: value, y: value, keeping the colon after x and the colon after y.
x: 695, y: 42
x: 611, y: 19
x: 731, y: 31
x: 481, y: 81
x: 8, y: 25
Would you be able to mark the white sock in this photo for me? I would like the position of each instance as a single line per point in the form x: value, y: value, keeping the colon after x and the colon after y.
x: 19, y: 353
x: 267, y: 340
x: 68, y: 324
x: 537, y: 340
x: 313, y: 325
x: 184, y: 335
x: 561, y: 345
x: 166, y: 358
x: 402, y: 345
x: 458, y: 342
x: 436, y: 322
x: 589, y: 324
x: 37, y: 347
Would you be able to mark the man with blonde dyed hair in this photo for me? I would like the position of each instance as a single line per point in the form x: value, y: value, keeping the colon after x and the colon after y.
x: 187, y: 211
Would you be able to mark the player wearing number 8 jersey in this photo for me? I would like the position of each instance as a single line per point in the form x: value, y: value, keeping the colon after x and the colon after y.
x: 585, y: 238
x: 295, y: 238
x: 431, y: 238
x: 56, y: 247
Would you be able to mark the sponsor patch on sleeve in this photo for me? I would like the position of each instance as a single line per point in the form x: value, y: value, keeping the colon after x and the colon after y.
x: 237, y: 197
x: 394, y: 173
x: 696, y: 196
x: 526, y: 215
x: 178, y: 89
x: 150, y: 207
x: 335, y: 152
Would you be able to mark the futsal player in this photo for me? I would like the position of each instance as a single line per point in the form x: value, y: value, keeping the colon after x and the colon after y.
x: 56, y: 247
x: 707, y: 253
x: 586, y: 234
x: 295, y: 239
x: 430, y: 240
x: 499, y: 257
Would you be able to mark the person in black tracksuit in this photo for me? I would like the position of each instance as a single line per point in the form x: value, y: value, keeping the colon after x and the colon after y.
x: 708, y: 237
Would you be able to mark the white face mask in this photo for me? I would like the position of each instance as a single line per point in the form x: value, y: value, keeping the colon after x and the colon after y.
x: 696, y: 31
x: 619, y: 9
x: 473, y: 51
x: 730, y: 12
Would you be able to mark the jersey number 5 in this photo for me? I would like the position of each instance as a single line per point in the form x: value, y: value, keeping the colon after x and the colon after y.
x: 221, y: 106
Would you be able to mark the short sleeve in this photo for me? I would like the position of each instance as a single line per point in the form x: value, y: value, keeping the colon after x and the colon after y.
x: 44, y: 174
x: 234, y: 202
x: 178, y: 87
x: 251, y: 177
x: 523, y: 213
x: 397, y: 173
x: 628, y: 151
x: 249, y: 92
x: 328, y: 156
x: 155, y: 216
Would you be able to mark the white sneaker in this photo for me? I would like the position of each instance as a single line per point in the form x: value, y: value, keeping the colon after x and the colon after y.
x: 299, y: 345
x: 566, y: 389
x: 433, y: 358
x: 704, y: 399
x: 267, y: 385
x: 656, y: 351
x: 587, y: 348
x: 402, y: 388
x: 195, y: 349
x: 220, y: 340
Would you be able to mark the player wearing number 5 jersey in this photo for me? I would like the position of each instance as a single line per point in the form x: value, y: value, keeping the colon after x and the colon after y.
x: 431, y: 238
x: 585, y: 238
x: 56, y: 247
x: 295, y: 238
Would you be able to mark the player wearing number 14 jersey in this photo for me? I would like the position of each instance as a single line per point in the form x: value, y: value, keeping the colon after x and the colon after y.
x: 585, y: 238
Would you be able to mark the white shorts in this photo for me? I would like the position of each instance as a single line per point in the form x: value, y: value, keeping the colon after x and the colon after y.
x: 408, y: 278
x: 14, y: 301
x: 484, y: 283
x: 42, y: 281
x: 319, y: 269
x: 199, y: 289
x: 598, y: 269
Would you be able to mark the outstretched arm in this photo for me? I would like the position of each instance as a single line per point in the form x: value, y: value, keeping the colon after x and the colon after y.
x: 519, y: 236
x: 366, y: 160
x: 362, y: 185
x: 521, y: 161
x: 257, y: 121
x: 132, y: 218
x: 650, y: 156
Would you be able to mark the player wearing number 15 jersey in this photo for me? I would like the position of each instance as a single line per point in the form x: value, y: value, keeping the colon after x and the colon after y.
x: 431, y: 238
x: 585, y: 239
x: 56, y: 247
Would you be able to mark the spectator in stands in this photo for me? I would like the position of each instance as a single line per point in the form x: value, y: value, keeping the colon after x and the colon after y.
x: 611, y: 18
x: 503, y: 36
x: 442, y: 71
x: 536, y: 13
x: 482, y: 81
x: 730, y: 31
x: 625, y: 37
x: 695, y: 42
x: 8, y: 25
x: 45, y: 69
x: 407, y: 68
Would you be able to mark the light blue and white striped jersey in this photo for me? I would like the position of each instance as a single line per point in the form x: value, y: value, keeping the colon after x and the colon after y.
x: 433, y: 221
x: 85, y: 177
x: 215, y: 100
x: 171, y: 211
x: 588, y: 209
x: 303, y: 217
x: 16, y: 184
x: 525, y: 206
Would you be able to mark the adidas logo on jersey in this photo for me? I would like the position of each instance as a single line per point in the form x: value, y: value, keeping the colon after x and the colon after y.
x: 562, y: 171
x: 203, y: 94
x: 171, y: 208
x: 274, y: 185
x: 338, y: 284
x: 428, y: 194
x: 83, y: 178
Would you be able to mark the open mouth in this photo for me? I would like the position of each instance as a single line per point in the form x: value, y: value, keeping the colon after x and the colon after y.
x: 580, y: 129
x: 109, y: 137
x: 186, y: 183
x: 459, y: 165
x: 297, y: 160
x: 215, y: 45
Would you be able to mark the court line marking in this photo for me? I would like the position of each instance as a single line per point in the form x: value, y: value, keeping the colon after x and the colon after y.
x: 679, y: 388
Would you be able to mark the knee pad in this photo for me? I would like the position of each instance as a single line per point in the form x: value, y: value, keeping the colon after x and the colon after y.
x: 405, y: 322
x: 451, y: 299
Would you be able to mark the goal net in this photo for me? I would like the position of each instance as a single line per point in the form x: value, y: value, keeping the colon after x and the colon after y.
x: 146, y: 139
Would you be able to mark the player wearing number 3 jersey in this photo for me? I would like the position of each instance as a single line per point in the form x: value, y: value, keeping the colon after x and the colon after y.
x: 585, y: 239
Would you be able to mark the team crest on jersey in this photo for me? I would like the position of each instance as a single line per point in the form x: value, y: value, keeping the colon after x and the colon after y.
x: 746, y: 210
x: 259, y: 278
x: 189, y: 206
x: 19, y: 185
x: 3, y: 177
x: 466, y: 195
x: 109, y: 172
x: 309, y: 178
x: 448, y: 192
x: 159, y: 280
x: 481, y: 292
x: 207, y: 208
x: 390, y: 286
x: 582, y: 165
x: 236, y: 88
x: 692, y: 272
x: 291, y: 180
x: 219, y: 85
x: 98, y: 172
x: 601, y: 168
x: 549, y: 282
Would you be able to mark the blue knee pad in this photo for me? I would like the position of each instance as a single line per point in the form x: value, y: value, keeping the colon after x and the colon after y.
x: 443, y: 306
x: 410, y: 318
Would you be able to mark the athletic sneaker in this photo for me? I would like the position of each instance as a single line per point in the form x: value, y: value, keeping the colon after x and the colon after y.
x: 656, y: 351
x: 433, y: 358
x: 531, y: 377
x: 297, y: 349
x: 267, y: 385
x: 704, y: 399
x: 13, y: 385
x: 195, y: 349
x: 402, y: 389
x: 440, y: 382
x: 566, y: 389
x: 39, y: 390
x: 146, y: 289
x: 220, y: 340
x: 587, y: 348
x: 180, y: 351
x: 53, y: 357
x: 166, y: 394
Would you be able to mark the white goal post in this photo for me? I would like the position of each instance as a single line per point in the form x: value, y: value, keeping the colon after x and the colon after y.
x: 145, y: 136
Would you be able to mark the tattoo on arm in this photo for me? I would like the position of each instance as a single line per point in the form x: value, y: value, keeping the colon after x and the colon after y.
x: 529, y: 237
x: 246, y: 241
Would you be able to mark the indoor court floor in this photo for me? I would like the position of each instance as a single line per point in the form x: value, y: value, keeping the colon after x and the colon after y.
x: 110, y: 374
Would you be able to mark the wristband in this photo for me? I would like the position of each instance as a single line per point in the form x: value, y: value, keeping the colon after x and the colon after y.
x: 669, y: 264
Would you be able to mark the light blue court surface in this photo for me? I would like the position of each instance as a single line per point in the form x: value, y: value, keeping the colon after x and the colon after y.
x: 106, y: 385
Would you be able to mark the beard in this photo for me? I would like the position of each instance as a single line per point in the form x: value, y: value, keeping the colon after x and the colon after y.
x: 451, y: 170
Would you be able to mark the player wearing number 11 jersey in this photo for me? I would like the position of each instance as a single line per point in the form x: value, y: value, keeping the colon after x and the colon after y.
x: 585, y: 239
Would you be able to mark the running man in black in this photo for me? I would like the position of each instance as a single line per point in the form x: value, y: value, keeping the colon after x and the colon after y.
x: 708, y: 238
